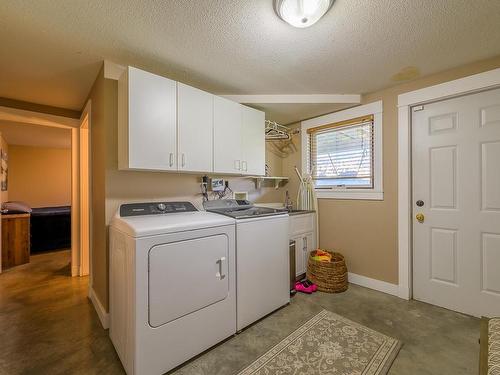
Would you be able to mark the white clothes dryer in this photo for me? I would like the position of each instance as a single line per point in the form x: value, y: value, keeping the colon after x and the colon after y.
x: 172, y: 284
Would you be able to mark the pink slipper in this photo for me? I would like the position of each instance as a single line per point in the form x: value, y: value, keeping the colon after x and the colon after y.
x: 307, y: 283
x: 299, y: 287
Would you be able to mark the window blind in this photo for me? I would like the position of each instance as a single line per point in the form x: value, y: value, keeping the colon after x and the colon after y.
x: 341, y: 154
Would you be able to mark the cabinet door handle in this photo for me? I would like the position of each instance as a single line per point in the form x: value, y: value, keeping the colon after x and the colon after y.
x: 183, y: 159
x: 171, y: 159
x: 244, y: 165
x: 237, y: 165
x: 305, y: 244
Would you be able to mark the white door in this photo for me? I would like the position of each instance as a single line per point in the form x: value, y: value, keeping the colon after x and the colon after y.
x: 456, y: 187
x: 253, y: 141
x: 195, y: 110
x: 152, y: 125
x: 227, y: 136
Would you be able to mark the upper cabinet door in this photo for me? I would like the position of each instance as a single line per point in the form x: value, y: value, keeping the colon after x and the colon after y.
x: 147, y: 121
x: 227, y: 136
x: 195, y: 109
x: 253, y: 143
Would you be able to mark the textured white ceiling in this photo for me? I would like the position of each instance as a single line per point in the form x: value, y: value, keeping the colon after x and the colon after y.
x: 16, y: 133
x: 50, y: 49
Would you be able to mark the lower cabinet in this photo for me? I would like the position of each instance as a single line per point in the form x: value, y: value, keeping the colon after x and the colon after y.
x: 303, y: 233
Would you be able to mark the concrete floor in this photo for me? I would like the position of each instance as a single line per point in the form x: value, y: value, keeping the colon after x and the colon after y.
x: 48, y: 326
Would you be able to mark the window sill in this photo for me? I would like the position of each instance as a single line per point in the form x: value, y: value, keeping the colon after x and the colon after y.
x: 350, y: 194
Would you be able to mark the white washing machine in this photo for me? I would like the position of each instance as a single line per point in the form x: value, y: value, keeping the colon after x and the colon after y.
x: 172, y: 284
x: 262, y: 258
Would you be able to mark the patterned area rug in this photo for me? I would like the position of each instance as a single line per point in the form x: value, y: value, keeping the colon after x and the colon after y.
x: 329, y: 344
x: 494, y: 346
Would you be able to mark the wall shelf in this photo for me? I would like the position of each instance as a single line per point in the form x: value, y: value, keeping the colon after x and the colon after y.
x: 260, y: 179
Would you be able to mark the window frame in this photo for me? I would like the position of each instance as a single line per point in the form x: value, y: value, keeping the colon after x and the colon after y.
x: 340, y: 127
x: 375, y: 109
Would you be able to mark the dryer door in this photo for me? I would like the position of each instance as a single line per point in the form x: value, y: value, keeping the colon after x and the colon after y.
x: 187, y: 276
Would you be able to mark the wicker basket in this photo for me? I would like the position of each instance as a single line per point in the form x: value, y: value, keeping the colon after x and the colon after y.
x: 330, y: 277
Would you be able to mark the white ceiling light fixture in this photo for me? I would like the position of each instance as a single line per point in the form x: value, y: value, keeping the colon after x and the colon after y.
x: 302, y: 13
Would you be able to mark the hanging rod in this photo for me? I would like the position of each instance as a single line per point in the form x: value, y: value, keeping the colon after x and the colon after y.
x: 275, y: 131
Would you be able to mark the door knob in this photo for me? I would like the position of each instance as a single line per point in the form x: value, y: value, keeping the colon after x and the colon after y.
x: 420, y: 218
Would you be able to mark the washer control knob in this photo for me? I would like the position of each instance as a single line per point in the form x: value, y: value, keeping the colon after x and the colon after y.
x: 161, y: 207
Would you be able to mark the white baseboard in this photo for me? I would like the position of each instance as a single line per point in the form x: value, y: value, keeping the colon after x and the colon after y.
x: 374, y: 284
x: 99, y: 308
x: 404, y: 292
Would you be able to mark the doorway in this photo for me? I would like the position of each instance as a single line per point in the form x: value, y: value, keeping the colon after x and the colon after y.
x: 79, y: 167
x: 81, y: 180
x: 456, y: 203
x: 407, y: 102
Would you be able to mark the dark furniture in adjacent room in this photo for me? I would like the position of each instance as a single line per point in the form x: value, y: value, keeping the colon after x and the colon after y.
x: 15, y: 239
x: 50, y: 228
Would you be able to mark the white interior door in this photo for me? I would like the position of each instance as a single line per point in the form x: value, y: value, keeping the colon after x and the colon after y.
x: 456, y: 187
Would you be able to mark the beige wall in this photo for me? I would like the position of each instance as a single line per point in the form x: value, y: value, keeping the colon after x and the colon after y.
x: 112, y: 187
x: 40, y: 176
x: 288, y: 166
x: 366, y: 231
x: 12, y: 103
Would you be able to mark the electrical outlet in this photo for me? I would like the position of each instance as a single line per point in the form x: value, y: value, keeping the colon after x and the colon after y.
x: 240, y: 195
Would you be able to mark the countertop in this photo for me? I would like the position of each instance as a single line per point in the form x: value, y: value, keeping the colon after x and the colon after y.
x: 280, y: 206
x: 300, y: 212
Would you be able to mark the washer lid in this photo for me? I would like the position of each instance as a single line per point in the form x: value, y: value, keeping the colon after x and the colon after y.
x: 150, y: 225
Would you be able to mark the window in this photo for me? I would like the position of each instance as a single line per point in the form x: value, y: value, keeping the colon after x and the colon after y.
x: 342, y: 151
x: 341, y: 154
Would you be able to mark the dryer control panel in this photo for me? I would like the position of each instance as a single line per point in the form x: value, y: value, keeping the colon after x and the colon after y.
x: 155, y: 208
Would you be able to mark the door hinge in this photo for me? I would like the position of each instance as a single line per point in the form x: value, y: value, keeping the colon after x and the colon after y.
x: 418, y: 108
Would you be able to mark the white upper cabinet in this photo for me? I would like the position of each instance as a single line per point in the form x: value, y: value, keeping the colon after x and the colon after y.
x: 253, y: 143
x: 147, y: 121
x: 227, y: 136
x: 195, y: 109
x: 164, y: 125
